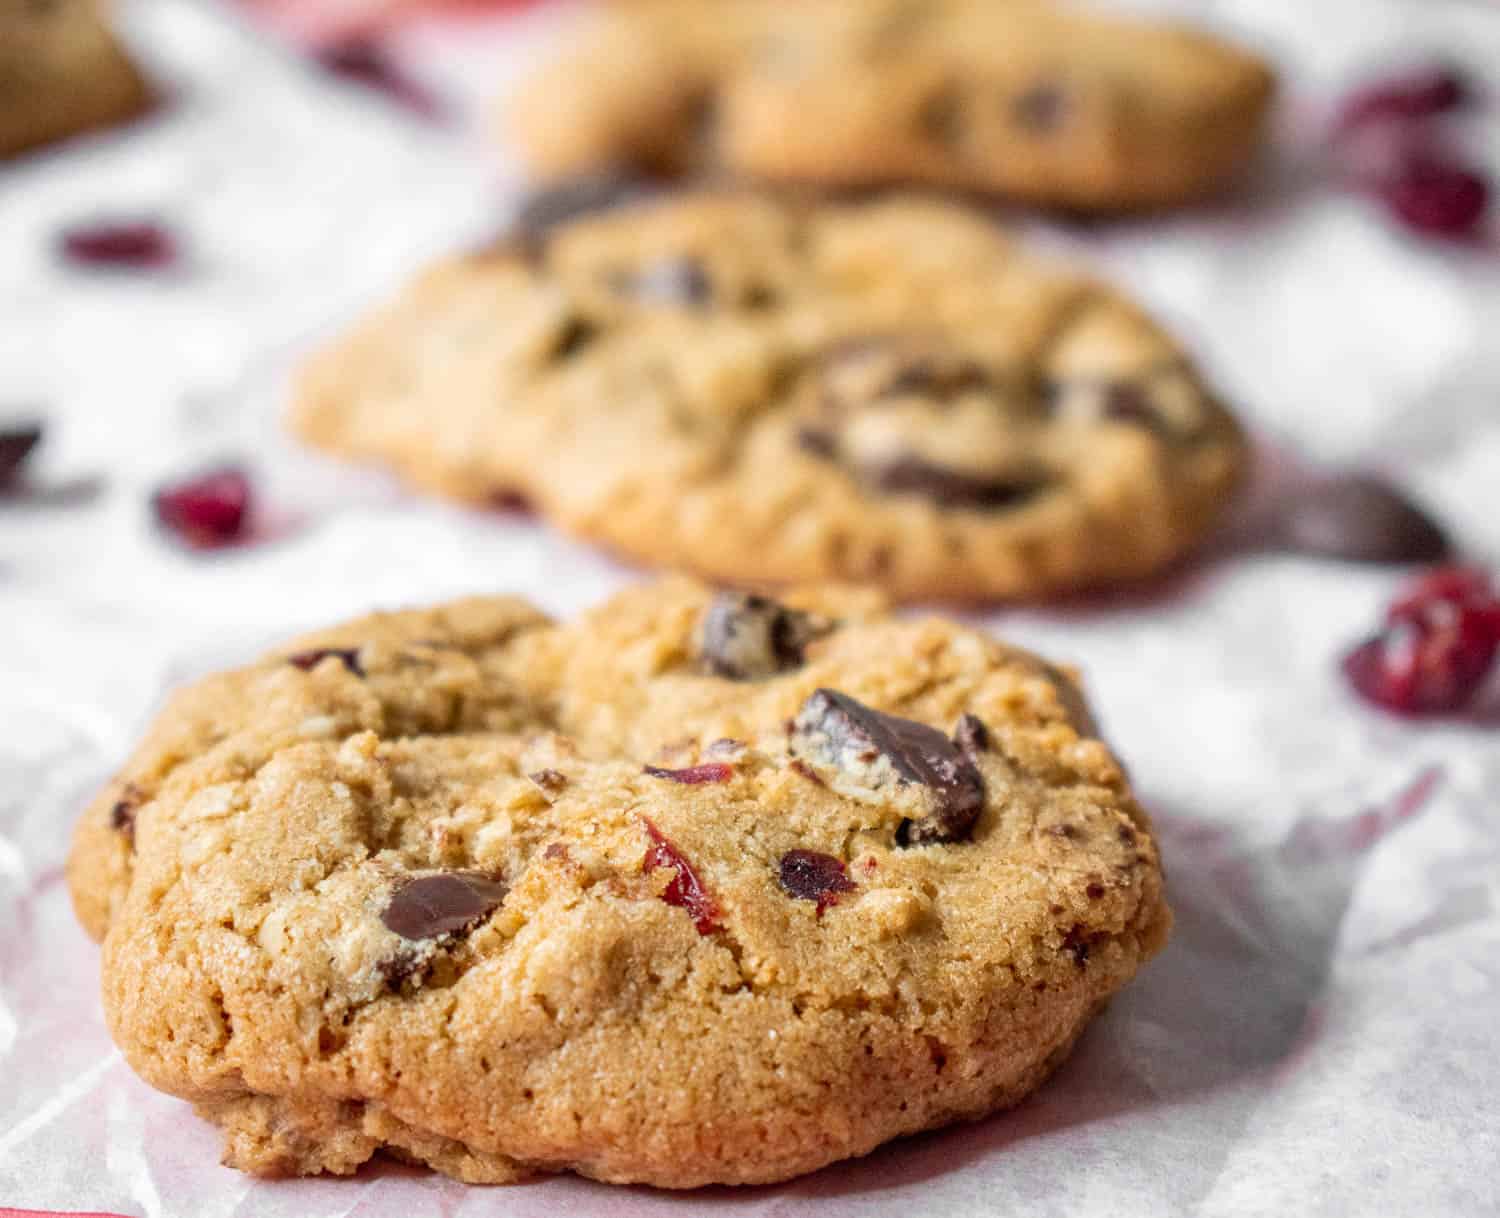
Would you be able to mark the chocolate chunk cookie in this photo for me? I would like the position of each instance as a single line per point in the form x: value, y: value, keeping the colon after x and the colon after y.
x: 767, y: 392
x: 61, y: 72
x: 1028, y: 100
x: 504, y: 897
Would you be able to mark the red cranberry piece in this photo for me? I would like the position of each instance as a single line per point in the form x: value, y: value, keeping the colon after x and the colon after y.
x: 207, y: 511
x: 16, y: 445
x: 308, y: 660
x: 138, y: 245
x: 810, y: 875
x: 685, y: 890
x: 695, y: 775
x: 1436, y: 649
x: 1435, y: 197
x: 1416, y: 94
x: 364, y: 62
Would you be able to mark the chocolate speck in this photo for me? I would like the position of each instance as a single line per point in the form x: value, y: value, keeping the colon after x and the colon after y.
x: 1094, y: 891
x: 122, y: 814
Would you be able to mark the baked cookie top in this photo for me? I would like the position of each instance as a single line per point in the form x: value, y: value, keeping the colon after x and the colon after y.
x: 61, y: 72
x: 1023, y: 98
x: 772, y: 391
x: 700, y: 888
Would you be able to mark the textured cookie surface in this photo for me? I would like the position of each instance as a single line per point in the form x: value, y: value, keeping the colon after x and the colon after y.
x: 61, y: 72
x: 697, y: 889
x: 1023, y: 98
x: 763, y: 391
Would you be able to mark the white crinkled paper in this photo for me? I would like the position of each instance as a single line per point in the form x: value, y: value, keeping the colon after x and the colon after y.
x: 1319, y: 1038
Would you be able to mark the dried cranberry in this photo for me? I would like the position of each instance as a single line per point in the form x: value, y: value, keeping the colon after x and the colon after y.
x: 1416, y: 94
x: 810, y: 875
x: 1435, y: 197
x: 685, y: 890
x: 16, y: 445
x: 1436, y: 649
x: 136, y: 245
x: 695, y: 775
x: 366, y: 63
x: 207, y: 511
x: 308, y: 660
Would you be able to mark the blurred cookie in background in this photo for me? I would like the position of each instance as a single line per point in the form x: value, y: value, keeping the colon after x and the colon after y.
x: 62, y: 72
x: 1025, y: 100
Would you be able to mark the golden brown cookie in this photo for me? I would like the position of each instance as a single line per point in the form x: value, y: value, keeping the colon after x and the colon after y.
x: 61, y: 72
x: 764, y: 391
x: 1021, y: 98
x: 699, y: 889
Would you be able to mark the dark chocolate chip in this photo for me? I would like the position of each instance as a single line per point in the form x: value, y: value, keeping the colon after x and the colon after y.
x: 971, y: 736
x: 566, y: 201
x: 817, y: 443
x: 746, y: 636
x: 575, y: 335
x: 122, y: 814
x: 810, y: 875
x: 942, y: 382
x: 550, y: 781
x: 427, y: 906
x: 16, y: 445
x: 308, y: 660
x: 667, y: 281
x: 1360, y: 518
x: 940, y: 118
x: 838, y: 731
x: 950, y: 488
x: 1042, y: 108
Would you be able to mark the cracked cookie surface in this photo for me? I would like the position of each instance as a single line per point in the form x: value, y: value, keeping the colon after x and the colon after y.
x: 1024, y: 99
x: 764, y: 391
x: 504, y: 896
x: 61, y: 72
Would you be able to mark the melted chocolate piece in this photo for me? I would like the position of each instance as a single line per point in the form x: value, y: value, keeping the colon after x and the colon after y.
x: 427, y: 906
x: 746, y: 636
x: 1360, y: 518
x: 839, y: 731
x: 950, y: 488
x: 575, y: 335
x: 308, y: 660
x: 810, y: 875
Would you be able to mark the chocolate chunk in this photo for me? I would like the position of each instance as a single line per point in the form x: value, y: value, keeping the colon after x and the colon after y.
x: 872, y: 749
x: 667, y: 281
x: 575, y: 335
x: 940, y: 118
x: 1359, y: 518
x: 817, y: 443
x: 971, y: 736
x: 122, y: 814
x: 566, y: 201
x: 940, y: 381
x: 16, y: 445
x: 550, y: 781
x: 308, y: 660
x: 1042, y: 108
x: 427, y: 906
x: 746, y: 636
x: 810, y: 875
x: 951, y: 488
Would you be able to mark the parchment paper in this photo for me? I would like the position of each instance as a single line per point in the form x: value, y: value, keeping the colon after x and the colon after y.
x: 1320, y: 1036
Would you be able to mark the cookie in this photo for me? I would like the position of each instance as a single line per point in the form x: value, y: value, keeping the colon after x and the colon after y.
x: 702, y: 888
x: 763, y: 391
x: 61, y: 73
x: 1024, y: 99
